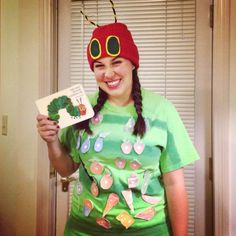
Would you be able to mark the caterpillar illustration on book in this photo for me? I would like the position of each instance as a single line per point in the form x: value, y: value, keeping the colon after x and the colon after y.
x: 65, y: 102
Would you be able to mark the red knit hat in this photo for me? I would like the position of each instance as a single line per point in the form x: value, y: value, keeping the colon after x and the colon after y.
x: 112, y: 40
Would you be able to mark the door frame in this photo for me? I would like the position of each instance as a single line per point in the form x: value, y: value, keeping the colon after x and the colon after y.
x: 221, y: 91
x: 220, y: 115
x: 46, y: 177
x: 203, y: 119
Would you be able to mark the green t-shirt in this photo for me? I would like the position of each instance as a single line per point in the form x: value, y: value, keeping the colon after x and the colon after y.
x: 133, y: 167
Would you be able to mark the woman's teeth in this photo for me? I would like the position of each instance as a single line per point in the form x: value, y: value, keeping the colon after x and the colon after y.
x: 113, y: 83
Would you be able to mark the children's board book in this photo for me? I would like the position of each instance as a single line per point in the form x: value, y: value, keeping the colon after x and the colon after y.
x: 67, y: 107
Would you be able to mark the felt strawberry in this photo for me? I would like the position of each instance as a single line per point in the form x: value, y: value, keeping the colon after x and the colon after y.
x: 139, y: 146
x: 126, y: 147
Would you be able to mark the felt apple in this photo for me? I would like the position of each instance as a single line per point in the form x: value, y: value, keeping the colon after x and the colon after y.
x: 96, y: 168
x: 106, y: 181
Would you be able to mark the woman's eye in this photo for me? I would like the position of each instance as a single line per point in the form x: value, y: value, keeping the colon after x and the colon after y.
x: 98, y: 65
x: 116, y: 62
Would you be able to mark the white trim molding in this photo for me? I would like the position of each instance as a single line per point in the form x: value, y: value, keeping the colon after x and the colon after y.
x: 45, y: 183
x: 203, y: 125
x: 232, y: 131
x: 221, y: 46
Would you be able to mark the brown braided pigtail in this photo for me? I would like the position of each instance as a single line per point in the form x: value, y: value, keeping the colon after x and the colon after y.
x: 140, y: 126
x: 84, y: 125
x: 102, y: 97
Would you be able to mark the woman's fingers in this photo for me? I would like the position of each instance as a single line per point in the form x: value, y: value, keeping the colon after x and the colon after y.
x: 47, y: 128
x: 41, y: 117
x: 48, y: 133
x: 45, y: 124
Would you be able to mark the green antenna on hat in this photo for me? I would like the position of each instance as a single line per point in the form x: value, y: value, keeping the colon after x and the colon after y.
x: 91, y: 22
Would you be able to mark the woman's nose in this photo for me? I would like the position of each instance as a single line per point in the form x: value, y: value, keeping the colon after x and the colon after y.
x: 109, y: 73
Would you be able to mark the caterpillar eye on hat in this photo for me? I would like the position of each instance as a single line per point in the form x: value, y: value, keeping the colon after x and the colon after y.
x: 111, y: 40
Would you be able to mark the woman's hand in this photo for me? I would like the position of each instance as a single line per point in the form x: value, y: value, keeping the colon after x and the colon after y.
x: 47, y: 129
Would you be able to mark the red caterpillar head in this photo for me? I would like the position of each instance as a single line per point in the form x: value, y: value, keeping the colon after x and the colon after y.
x: 112, y: 40
x: 82, y: 109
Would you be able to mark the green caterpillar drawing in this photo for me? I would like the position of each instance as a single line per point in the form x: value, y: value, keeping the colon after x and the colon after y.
x: 64, y: 102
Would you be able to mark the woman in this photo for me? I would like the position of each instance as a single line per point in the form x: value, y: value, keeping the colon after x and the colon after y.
x: 130, y: 155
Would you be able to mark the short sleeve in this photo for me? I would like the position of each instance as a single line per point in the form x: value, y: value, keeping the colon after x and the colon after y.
x: 68, y: 138
x: 179, y: 150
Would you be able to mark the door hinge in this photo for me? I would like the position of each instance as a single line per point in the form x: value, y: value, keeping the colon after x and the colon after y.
x: 211, y: 16
x: 210, y: 169
x: 52, y: 172
x: 65, y: 182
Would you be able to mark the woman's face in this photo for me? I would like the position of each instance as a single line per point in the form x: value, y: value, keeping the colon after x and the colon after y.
x: 114, y: 76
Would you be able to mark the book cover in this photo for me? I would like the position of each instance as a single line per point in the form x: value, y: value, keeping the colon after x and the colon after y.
x: 67, y: 107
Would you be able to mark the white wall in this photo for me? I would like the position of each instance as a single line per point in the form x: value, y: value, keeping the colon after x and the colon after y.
x: 18, y: 91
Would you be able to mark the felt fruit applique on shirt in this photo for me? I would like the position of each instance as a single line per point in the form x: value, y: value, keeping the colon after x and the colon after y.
x: 125, y: 219
x: 97, y: 119
x: 129, y: 126
x: 112, y: 201
x: 127, y: 194
x: 79, y: 188
x: 135, y: 164
x: 120, y: 163
x: 98, y: 145
x: 150, y: 199
x: 88, y: 207
x: 94, y: 189
x: 106, y: 181
x: 103, y: 222
x: 133, y: 181
x: 147, y: 214
x: 85, y: 145
x: 139, y: 146
x: 96, y: 168
x: 146, y: 179
x: 126, y: 147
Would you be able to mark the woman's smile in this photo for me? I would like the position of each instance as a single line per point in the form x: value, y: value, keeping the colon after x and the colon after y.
x: 113, y: 84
